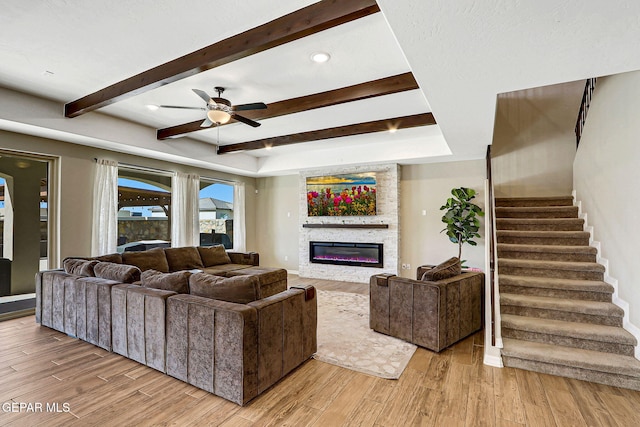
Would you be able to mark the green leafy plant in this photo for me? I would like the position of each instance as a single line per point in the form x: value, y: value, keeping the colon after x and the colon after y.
x: 462, y: 217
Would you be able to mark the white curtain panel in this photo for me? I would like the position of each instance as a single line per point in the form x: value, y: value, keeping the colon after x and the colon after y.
x: 239, y: 234
x: 104, y: 236
x: 185, y: 210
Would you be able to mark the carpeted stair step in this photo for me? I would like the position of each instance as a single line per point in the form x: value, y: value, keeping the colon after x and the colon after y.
x: 540, y: 224
x: 595, y: 312
x: 603, y: 368
x: 547, y: 252
x: 563, y: 238
x: 609, y: 339
x: 538, y: 212
x: 555, y: 269
x: 590, y: 290
x: 534, y: 201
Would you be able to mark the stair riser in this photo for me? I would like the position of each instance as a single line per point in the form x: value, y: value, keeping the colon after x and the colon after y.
x: 557, y: 274
x: 555, y: 213
x: 561, y: 315
x: 564, y: 226
x: 606, y: 347
x: 556, y: 293
x: 572, y: 372
x: 547, y: 256
x: 533, y: 240
x: 533, y: 202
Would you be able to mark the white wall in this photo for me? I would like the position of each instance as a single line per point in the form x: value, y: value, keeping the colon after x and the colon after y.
x: 534, y: 141
x: 606, y: 179
x: 277, y: 221
x: 427, y: 187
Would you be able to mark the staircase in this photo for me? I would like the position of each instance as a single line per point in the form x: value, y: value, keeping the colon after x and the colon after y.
x: 557, y: 314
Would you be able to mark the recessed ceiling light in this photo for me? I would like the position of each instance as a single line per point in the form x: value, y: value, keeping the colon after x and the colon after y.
x: 152, y: 107
x: 320, y: 57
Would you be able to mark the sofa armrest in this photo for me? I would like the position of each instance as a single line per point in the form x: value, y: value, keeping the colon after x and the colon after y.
x: 379, y: 302
x: 213, y: 345
x: 287, y: 333
x: 246, y: 258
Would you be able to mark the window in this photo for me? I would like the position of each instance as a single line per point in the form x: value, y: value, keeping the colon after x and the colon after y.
x: 144, y: 206
x: 216, y: 213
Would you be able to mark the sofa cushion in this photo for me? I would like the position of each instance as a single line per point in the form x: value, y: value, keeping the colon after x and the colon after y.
x: 241, y: 289
x: 447, y: 269
x: 116, y: 258
x: 120, y: 272
x: 186, y: 258
x: 153, y: 259
x: 213, y: 255
x: 79, y: 267
x: 176, y: 282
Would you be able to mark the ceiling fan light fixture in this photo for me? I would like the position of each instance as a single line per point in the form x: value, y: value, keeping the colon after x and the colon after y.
x: 320, y: 57
x: 218, y: 116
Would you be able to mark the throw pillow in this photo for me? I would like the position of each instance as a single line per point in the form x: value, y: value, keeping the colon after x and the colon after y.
x: 239, y: 289
x: 176, y: 282
x: 120, y: 272
x: 447, y: 269
x: 153, y: 259
x: 79, y: 267
x: 183, y: 258
x: 213, y: 255
x: 117, y: 258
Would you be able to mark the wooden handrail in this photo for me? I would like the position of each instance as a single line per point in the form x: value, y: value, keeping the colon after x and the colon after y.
x: 492, y: 251
x: 589, y: 86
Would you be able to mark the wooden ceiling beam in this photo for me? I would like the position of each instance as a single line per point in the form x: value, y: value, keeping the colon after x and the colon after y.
x: 405, y: 122
x: 304, y: 22
x: 379, y: 87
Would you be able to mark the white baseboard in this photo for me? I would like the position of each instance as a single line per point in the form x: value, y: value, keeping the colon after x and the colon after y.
x: 493, y: 360
x: 296, y: 272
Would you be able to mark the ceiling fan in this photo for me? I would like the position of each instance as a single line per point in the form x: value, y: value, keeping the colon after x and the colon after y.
x: 220, y: 111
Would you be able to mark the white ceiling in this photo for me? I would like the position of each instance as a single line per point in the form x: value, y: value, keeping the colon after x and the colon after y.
x: 462, y: 54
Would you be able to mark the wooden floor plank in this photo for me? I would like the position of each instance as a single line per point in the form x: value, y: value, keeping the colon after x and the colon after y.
x: 509, y: 406
x: 451, y: 388
x: 565, y: 409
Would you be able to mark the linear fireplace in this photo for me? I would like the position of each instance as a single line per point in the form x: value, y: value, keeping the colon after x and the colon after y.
x: 340, y: 253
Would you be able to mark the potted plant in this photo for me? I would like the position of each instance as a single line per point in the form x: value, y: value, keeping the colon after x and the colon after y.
x: 461, y: 217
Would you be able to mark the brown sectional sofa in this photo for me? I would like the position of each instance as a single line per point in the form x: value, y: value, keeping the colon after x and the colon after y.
x: 235, y: 348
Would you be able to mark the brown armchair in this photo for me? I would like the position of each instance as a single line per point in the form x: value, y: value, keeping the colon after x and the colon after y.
x: 431, y: 314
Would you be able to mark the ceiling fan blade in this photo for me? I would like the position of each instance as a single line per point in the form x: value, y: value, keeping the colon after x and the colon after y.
x: 207, y: 123
x: 254, y: 106
x: 246, y: 121
x: 181, y: 107
x: 202, y: 94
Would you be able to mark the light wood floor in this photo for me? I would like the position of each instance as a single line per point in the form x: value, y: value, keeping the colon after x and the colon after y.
x: 453, y: 388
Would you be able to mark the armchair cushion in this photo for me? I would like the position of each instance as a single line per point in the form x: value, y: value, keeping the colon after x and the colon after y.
x: 177, y: 282
x: 447, y: 269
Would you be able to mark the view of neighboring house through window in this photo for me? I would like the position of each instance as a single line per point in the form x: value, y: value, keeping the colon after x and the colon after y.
x: 144, y: 209
x: 216, y: 213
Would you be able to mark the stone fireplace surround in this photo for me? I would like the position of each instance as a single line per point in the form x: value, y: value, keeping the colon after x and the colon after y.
x: 381, y: 228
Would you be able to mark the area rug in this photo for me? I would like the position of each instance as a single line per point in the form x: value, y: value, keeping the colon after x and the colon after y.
x: 345, y: 339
